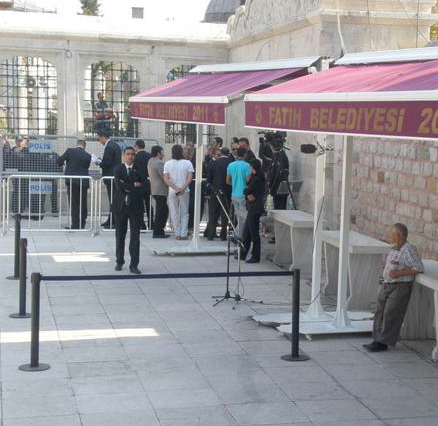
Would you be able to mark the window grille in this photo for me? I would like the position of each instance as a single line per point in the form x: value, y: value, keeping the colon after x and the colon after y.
x: 115, y: 82
x: 28, y: 96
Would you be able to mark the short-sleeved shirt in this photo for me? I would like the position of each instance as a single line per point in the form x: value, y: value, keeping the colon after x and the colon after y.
x: 401, y: 258
x: 238, y: 170
x: 177, y: 171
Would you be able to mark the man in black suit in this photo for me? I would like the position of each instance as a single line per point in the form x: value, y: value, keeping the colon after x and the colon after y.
x: 112, y: 155
x: 128, y: 205
x: 244, y: 143
x: 77, y: 162
x: 217, y: 184
x: 141, y: 161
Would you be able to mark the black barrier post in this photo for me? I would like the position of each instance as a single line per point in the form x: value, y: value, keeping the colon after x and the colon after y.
x: 17, y: 228
x: 295, y: 354
x: 22, y: 285
x: 35, y: 328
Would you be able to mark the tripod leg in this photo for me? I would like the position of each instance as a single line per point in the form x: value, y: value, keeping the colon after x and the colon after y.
x: 291, y: 195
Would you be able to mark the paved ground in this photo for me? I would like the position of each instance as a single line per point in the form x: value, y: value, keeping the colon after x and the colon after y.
x: 137, y: 353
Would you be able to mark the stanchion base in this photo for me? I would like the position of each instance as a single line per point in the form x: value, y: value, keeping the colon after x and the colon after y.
x: 28, y: 368
x: 301, y: 357
x: 11, y: 277
x: 19, y: 316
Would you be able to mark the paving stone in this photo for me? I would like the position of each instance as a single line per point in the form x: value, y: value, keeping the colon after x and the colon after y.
x: 73, y: 420
x: 203, y: 397
x: 266, y: 413
x: 335, y: 410
x: 393, y: 407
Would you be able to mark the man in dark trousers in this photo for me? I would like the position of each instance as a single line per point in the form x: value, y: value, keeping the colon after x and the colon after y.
x: 217, y: 186
x: 159, y: 191
x: 141, y: 161
x: 128, y: 204
x: 111, y: 158
x: 77, y: 162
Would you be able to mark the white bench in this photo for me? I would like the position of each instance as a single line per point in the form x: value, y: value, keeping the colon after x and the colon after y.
x: 421, y: 318
x: 364, y: 267
x: 293, y: 239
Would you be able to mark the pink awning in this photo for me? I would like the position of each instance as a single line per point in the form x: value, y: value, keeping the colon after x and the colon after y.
x: 390, y: 100
x: 201, y: 98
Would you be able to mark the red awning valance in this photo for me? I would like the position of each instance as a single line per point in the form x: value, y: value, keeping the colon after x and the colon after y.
x: 201, y: 98
x: 389, y: 100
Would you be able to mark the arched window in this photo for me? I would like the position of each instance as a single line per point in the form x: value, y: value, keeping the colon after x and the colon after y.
x: 180, y: 133
x: 28, y: 96
x: 108, y: 86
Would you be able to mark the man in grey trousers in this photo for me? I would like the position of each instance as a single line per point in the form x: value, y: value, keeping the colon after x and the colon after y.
x: 159, y: 191
x: 402, y: 264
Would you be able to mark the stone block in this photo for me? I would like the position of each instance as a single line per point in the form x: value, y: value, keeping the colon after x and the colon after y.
x: 404, y: 193
x: 433, y: 154
x: 380, y: 177
x: 431, y: 185
x: 433, y: 201
x: 423, y: 199
x: 407, y: 166
x: 416, y: 168
x: 427, y: 169
x: 420, y: 182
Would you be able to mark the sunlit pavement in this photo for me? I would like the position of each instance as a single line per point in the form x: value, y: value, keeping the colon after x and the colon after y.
x: 134, y: 353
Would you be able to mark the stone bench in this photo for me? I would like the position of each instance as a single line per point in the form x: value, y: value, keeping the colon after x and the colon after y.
x: 421, y: 318
x: 365, y: 262
x: 293, y: 240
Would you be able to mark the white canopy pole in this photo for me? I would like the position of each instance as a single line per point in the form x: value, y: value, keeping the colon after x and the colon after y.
x: 342, y: 320
x: 200, y: 134
x: 316, y: 311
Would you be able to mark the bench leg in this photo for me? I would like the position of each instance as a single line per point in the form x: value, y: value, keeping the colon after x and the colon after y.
x: 435, y: 351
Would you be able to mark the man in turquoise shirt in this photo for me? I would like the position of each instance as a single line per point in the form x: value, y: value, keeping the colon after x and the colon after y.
x: 238, y: 174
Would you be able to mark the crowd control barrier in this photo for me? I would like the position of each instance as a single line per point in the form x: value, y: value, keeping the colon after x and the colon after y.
x: 50, y: 202
x: 38, y: 278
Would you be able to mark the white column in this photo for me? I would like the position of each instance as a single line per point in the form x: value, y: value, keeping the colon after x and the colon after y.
x: 341, y: 320
x: 316, y: 311
x: 200, y: 135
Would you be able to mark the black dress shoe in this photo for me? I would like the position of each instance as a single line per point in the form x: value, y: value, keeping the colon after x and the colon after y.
x: 134, y: 270
x: 118, y: 267
x: 253, y: 260
x: 161, y: 236
x: 375, y: 347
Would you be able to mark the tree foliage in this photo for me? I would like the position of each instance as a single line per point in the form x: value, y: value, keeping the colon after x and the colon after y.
x: 90, y: 7
x: 434, y: 28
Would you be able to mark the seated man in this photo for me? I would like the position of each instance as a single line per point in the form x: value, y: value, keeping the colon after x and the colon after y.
x: 402, y: 264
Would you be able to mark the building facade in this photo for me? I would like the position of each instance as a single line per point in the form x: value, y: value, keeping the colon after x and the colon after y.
x: 393, y: 180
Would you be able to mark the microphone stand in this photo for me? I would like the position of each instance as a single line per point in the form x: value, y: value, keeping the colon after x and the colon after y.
x: 230, y: 227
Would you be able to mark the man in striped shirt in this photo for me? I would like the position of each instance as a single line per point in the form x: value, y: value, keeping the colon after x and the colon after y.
x: 402, y: 264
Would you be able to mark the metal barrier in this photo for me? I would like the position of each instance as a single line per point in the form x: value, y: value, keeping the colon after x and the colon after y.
x: 27, y: 195
x: 37, y: 278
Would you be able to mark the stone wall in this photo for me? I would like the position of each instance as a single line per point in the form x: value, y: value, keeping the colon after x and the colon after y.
x: 396, y: 181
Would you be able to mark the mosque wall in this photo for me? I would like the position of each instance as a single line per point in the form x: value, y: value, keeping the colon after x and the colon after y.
x: 393, y: 180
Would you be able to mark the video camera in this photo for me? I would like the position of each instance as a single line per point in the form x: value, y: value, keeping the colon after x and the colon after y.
x: 276, y: 140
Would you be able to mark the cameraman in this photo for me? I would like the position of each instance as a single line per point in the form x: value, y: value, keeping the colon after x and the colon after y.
x: 275, y: 166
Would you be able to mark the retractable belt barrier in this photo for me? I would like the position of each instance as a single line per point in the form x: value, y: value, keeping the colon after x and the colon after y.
x: 37, y: 278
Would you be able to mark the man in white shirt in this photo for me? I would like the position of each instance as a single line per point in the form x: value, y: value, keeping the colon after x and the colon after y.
x: 178, y: 174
